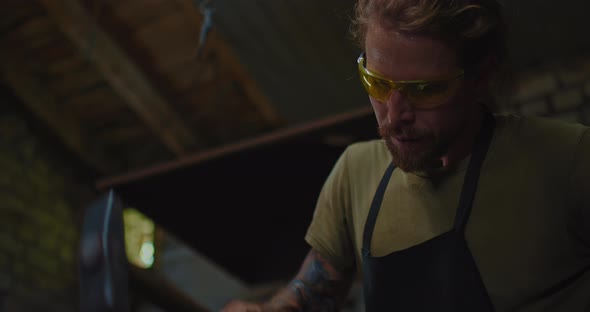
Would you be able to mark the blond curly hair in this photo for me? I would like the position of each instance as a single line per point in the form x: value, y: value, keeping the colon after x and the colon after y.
x: 475, y: 28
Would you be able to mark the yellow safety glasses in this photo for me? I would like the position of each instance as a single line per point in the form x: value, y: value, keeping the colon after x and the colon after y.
x: 422, y: 94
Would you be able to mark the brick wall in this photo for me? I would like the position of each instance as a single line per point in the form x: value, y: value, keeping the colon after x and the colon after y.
x: 40, y: 200
x: 559, y: 89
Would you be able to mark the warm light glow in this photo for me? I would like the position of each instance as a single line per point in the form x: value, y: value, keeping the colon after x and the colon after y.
x: 139, y: 238
x: 147, y: 253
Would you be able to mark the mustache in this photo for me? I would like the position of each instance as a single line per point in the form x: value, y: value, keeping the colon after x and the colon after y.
x: 389, y: 130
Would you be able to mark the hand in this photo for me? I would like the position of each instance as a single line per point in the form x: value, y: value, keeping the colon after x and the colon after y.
x: 242, y: 306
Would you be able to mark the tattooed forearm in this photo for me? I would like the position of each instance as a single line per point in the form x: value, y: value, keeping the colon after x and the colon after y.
x: 317, y: 287
x: 312, y: 298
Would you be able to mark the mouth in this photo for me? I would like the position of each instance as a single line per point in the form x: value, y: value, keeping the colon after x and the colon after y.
x: 406, y: 139
x: 406, y: 142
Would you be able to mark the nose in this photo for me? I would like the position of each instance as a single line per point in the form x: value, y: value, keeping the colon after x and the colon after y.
x: 399, y: 109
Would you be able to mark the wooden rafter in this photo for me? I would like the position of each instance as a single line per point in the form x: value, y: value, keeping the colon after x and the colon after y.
x: 201, y: 157
x: 44, y: 105
x: 215, y: 42
x: 122, y: 74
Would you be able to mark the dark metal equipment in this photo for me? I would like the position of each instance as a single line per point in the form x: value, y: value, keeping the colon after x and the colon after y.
x: 103, y: 262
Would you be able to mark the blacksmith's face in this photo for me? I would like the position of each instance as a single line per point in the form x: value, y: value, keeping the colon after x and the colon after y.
x: 418, y: 128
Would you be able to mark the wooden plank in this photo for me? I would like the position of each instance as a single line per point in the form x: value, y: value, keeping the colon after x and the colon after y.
x: 34, y: 28
x: 321, y: 84
x: 13, y: 14
x: 43, y: 104
x: 227, y: 57
x: 122, y: 74
x: 122, y: 135
x: 98, y: 103
x: 168, y: 39
x: 62, y: 66
x: 72, y: 82
x: 279, y: 73
x: 136, y: 13
x: 190, y: 76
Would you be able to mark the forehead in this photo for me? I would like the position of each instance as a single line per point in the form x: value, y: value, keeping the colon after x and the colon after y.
x: 407, y: 56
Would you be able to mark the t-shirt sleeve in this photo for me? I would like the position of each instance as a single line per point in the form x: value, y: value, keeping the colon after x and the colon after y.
x: 329, y: 231
x: 580, y: 187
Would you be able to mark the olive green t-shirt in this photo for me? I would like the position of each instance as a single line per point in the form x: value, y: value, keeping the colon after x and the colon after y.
x: 529, y: 229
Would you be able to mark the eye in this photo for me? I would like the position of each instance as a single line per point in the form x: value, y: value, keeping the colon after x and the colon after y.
x: 381, y: 84
x: 430, y: 88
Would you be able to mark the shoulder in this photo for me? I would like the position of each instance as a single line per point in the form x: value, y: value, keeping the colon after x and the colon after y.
x: 367, y: 155
x: 534, y: 127
x: 373, y: 150
x: 357, y: 159
x: 539, y: 133
x: 536, y: 144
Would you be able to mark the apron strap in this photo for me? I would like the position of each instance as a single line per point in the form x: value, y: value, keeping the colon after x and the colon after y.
x: 374, y: 210
x: 480, y: 149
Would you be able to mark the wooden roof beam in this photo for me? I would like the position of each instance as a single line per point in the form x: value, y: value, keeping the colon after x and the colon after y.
x: 122, y: 74
x: 45, y: 106
x: 215, y: 42
x: 200, y: 157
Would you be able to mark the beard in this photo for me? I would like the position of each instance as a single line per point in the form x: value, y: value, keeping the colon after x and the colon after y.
x: 420, y: 158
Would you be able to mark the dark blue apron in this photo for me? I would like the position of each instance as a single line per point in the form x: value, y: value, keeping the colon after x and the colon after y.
x: 439, y: 274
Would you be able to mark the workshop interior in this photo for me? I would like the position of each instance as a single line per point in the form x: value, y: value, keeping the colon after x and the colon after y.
x: 167, y: 155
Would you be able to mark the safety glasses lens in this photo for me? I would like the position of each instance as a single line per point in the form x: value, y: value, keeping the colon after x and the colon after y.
x: 377, y: 88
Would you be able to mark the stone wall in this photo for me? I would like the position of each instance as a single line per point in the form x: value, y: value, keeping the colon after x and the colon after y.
x: 40, y: 205
x: 559, y: 89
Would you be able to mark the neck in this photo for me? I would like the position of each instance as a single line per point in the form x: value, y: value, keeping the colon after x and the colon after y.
x: 462, y: 146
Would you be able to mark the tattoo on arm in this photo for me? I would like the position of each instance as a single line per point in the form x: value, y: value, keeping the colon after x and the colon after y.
x: 317, y: 287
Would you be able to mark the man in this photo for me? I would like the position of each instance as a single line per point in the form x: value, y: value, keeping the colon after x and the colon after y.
x: 454, y: 209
